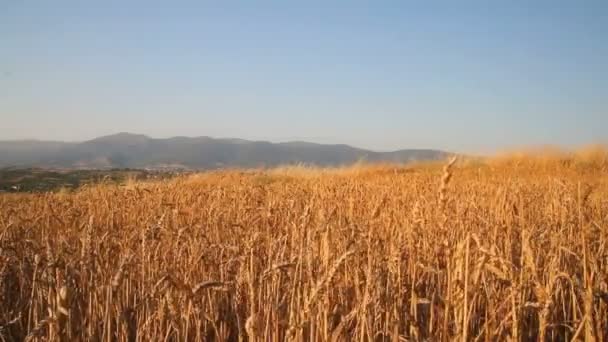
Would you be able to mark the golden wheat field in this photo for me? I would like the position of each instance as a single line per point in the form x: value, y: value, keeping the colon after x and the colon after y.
x: 511, y: 249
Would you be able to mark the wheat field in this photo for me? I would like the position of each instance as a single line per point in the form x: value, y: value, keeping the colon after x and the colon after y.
x: 511, y: 249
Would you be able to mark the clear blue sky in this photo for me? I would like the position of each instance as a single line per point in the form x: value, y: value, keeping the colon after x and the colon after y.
x: 458, y: 75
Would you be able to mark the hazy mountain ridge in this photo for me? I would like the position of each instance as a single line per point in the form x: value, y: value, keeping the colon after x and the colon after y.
x: 126, y: 150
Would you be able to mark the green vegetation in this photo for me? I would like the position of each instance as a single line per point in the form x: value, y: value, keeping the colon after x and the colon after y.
x: 35, y: 180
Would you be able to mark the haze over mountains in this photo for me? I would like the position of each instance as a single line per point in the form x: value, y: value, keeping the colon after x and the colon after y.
x: 126, y: 150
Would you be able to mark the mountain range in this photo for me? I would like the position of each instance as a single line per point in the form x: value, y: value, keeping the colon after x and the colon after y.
x: 126, y: 150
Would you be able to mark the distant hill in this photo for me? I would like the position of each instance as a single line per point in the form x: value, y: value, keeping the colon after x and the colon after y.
x: 126, y: 150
